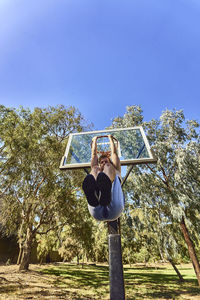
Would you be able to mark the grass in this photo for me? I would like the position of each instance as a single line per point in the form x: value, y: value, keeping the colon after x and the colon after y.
x: 86, y: 282
x: 160, y: 283
x: 141, y: 282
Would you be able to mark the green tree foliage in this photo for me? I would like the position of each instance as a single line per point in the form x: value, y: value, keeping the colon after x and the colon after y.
x: 70, y: 248
x: 46, y: 243
x: 170, y: 189
x: 79, y: 235
x: 35, y: 194
x: 100, y: 250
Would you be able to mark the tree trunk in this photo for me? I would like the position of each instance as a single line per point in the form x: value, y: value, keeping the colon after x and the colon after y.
x: 26, y: 251
x: 20, y: 254
x: 176, y: 270
x: 191, y: 249
x: 20, y: 241
x: 161, y: 254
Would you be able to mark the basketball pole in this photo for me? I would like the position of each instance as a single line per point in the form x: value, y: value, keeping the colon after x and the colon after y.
x: 117, y: 290
x: 116, y: 274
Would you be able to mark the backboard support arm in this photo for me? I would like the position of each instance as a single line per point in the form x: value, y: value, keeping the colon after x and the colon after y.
x: 131, y: 168
x: 86, y: 171
x: 127, y: 174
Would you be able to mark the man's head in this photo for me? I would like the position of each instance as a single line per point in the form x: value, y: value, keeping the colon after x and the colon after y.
x: 103, y: 159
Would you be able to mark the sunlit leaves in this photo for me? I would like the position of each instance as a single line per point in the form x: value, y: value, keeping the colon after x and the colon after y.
x: 169, y: 190
x: 32, y: 144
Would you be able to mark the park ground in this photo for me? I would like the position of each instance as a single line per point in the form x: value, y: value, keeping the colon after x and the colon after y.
x: 71, y: 281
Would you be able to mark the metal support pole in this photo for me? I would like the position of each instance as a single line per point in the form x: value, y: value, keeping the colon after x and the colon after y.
x: 117, y: 290
x: 131, y: 168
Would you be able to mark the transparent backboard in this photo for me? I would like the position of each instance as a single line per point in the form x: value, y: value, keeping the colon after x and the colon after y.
x: 132, y: 145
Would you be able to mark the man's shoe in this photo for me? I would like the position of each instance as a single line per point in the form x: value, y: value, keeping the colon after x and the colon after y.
x: 104, y: 184
x: 89, y: 187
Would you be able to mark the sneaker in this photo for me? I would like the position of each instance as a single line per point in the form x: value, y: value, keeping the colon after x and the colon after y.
x: 90, y: 189
x: 104, y: 184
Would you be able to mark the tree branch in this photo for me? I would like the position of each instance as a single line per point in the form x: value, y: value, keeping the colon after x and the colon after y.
x: 158, y: 176
x: 38, y: 186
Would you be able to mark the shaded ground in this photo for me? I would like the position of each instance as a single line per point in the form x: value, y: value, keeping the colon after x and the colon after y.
x: 68, y: 281
x: 29, y: 285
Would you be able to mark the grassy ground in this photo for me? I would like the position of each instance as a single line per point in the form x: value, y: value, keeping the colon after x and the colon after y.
x: 68, y: 281
x: 160, y: 283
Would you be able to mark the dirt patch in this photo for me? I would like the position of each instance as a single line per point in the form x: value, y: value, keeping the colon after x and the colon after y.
x: 30, y: 285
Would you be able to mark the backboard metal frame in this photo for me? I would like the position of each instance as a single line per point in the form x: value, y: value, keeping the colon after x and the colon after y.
x: 138, y: 160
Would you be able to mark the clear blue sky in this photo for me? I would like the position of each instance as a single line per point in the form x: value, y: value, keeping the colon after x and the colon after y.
x: 101, y: 56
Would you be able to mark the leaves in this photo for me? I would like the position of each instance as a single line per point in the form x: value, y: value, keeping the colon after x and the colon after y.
x: 32, y: 144
x: 169, y: 190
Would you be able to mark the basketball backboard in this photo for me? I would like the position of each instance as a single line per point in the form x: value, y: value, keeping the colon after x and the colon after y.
x: 132, y: 144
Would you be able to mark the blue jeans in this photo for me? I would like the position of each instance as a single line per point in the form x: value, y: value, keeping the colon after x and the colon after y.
x: 114, y: 209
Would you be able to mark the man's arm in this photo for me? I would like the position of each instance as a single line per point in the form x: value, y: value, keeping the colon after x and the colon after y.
x: 94, y: 157
x: 114, y: 155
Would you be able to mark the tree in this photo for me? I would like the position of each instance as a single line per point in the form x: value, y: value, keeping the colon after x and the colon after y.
x: 34, y: 192
x: 69, y: 249
x: 175, y: 178
x: 100, y: 246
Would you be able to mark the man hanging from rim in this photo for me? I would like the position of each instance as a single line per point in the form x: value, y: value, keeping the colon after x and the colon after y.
x: 102, y: 186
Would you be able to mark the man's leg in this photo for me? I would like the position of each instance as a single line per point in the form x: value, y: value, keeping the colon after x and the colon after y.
x: 104, y: 183
x: 95, y: 171
x: 117, y: 204
x: 110, y: 171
